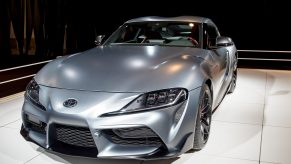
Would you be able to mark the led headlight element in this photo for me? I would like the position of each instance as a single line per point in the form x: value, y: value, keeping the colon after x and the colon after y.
x: 32, y: 94
x: 154, y: 100
x: 32, y: 91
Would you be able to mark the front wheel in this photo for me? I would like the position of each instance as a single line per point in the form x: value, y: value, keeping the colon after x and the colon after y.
x: 203, y: 119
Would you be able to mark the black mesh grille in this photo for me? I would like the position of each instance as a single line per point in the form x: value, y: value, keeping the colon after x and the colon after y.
x: 139, y: 132
x: 77, y: 136
x: 141, y: 136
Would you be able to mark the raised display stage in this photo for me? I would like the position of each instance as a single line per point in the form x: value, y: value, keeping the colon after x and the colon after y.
x: 251, y: 126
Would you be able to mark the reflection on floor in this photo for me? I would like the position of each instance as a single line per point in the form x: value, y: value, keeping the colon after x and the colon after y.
x: 251, y: 126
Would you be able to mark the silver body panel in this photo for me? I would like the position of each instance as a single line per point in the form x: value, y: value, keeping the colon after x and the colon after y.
x: 106, y: 78
x: 126, y: 69
x: 172, y: 19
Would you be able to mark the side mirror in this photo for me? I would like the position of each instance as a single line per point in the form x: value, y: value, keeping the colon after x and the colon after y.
x: 223, y: 41
x: 99, y: 39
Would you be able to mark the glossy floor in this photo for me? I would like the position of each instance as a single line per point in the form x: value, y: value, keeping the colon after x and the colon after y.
x: 251, y: 126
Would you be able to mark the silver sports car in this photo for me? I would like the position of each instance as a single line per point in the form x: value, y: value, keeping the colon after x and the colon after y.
x: 146, y: 92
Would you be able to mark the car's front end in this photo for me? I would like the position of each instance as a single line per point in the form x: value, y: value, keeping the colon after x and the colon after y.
x: 137, y: 96
x: 149, y: 125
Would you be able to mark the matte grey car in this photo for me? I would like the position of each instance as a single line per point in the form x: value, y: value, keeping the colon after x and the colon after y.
x: 146, y: 92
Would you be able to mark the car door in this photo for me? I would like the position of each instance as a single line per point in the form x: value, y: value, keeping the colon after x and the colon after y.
x: 221, y: 62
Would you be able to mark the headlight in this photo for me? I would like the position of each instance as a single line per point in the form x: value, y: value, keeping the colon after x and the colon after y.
x: 32, y: 94
x: 154, y: 100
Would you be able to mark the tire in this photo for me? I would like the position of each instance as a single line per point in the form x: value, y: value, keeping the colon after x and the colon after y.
x: 203, y: 119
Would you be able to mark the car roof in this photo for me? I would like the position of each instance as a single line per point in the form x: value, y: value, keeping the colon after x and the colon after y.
x: 172, y: 19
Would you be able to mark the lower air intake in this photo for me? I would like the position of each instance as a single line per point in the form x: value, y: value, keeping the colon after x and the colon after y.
x: 141, y: 136
x: 76, y: 136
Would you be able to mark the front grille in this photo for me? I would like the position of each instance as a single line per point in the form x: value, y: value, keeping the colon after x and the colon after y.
x: 77, y: 136
x: 141, y: 136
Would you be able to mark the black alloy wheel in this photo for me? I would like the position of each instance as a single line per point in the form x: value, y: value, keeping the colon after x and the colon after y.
x: 203, y: 120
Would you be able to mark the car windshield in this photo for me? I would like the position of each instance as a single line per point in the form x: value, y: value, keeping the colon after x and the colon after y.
x: 157, y: 33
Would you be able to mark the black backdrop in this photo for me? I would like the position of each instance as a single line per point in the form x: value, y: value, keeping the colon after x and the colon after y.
x: 256, y: 24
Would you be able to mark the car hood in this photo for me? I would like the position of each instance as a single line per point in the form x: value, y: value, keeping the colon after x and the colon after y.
x: 123, y: 69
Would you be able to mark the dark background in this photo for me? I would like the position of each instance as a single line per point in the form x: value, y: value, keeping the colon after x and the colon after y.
x: 256, y: 24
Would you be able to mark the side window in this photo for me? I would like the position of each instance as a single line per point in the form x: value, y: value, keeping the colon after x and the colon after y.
x: 209, y: 36
x: 212, y: 35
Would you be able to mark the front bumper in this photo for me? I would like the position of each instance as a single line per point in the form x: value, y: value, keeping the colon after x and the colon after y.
x: 82, y: 132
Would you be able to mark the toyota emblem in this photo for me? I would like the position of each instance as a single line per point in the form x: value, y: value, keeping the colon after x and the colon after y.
x: 70, y: 103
